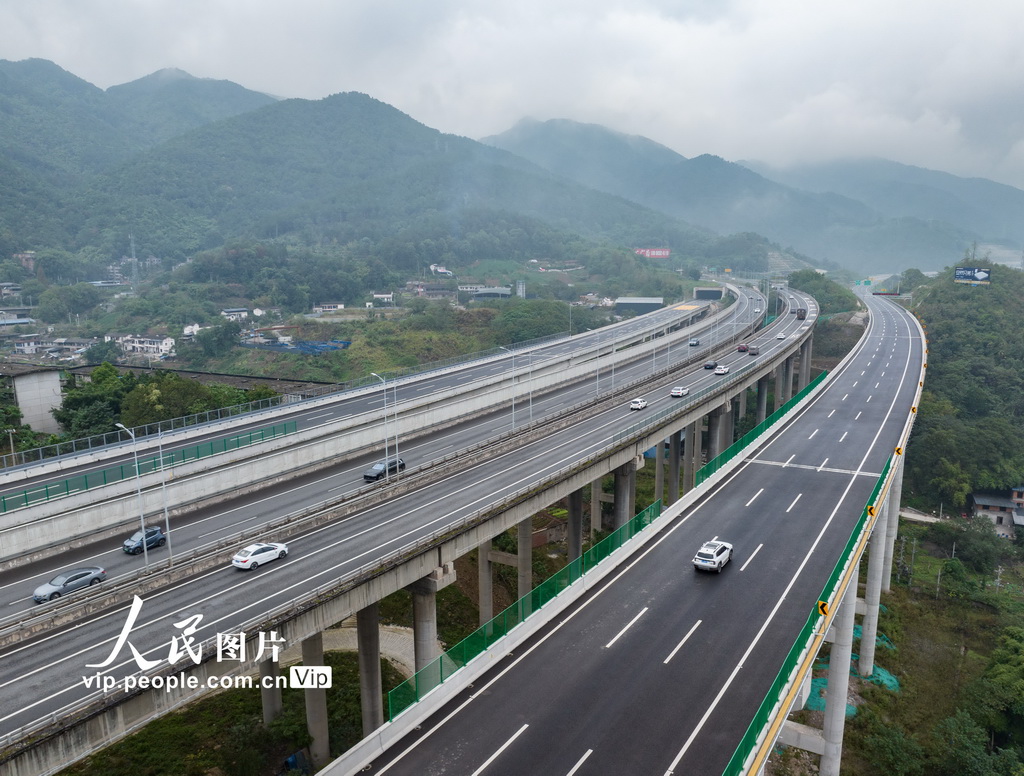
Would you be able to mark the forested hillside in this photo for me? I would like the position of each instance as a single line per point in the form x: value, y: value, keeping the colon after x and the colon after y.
x: 969, y: 434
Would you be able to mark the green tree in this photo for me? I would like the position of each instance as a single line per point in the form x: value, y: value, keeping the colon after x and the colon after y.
x: 102, y: 352
x: 94, y: 406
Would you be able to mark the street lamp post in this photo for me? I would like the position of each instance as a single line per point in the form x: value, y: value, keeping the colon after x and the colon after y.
x: 138, y: 489
x: 163, y: 493
x: 513, y: 354
x: 384, y: 383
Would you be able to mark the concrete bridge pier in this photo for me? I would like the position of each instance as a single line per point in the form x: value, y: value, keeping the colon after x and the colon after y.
x: 485, y: 582
x: 525, y: 547
x: 371, y: 690
x: 625, y: 483
x: 691, y: 454
x: 805, y: 363
x: 873, y: 594
x: 762, y: 399
x: 714, y: 432
x: 659, y: 470
x: 892, y: 524
x: 270, y: 695
x: 787, y: 378
x: 720, y: 429
x: 316, y: 704
x: 780, y: 384
x: 424, y: 613
x: 575, y: 527
x: 675, y: 454
x: 838, y: 682
x: 596, y: 493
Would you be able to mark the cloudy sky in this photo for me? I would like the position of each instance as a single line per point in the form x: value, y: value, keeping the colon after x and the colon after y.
x: 936, y: 83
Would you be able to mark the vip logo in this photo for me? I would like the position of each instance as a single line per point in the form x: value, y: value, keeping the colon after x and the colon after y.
x: 309, y: 677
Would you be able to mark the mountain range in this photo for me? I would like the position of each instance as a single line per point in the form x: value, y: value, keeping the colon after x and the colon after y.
x: 186, y: 164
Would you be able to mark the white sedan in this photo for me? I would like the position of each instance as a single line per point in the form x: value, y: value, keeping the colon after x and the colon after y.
x: 780, y: 336
x: 255, y: 554
x: 678, y: 391
x: 721, y: 370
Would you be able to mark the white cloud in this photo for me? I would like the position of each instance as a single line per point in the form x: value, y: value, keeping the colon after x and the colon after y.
x: 931, y: 83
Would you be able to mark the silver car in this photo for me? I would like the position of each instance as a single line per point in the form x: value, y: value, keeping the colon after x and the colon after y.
x: 68, y: 581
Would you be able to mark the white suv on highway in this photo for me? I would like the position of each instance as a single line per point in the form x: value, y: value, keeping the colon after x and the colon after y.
x: 712, y: 556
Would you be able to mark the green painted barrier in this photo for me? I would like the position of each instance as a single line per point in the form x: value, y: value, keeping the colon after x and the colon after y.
x: 412, y: 690
x: 147, y: 464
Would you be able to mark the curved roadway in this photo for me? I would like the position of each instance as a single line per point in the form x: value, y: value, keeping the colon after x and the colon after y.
x: 660, y: 669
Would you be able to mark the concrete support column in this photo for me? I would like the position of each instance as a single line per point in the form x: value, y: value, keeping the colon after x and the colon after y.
x: 371, y: 692
x: 623, y: 501
x: 838, y: 682
x: 699, y: 448
x: 659, y: 470
x: 787, y: 378
x: 893, y: 509
x: 316, y: 704
x: 741, y: 405
x: 714, y: 433
x: 872, y: 595
x: 805, y: 362
x: 780, y: 383
x: 691, y: 459
x: 675, y: 452
x: 595, y: 508
x: 525, y: 557
x: 575, y: 527
x: 762, y: 399
x: 729, y: 424
x: 271, y: 696
x: 424, y: 625
x: 486, y: 582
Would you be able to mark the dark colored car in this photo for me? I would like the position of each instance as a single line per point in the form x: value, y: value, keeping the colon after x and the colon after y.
x: 68, y: 581
x: 154, y: 538
x: 387, y: 466
x: 710, y: 364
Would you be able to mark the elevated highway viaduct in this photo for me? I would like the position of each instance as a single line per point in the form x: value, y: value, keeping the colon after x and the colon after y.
x: 391, y: 537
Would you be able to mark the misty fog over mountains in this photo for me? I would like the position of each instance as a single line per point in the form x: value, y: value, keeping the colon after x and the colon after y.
x: 188, y: 163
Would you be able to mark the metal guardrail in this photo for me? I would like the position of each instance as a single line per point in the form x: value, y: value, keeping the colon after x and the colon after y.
x: 73, y: 447
x: 159, y: 462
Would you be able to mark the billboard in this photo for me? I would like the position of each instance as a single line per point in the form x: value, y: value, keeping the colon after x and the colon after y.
x: 973, y: 275
x: 654, y: 253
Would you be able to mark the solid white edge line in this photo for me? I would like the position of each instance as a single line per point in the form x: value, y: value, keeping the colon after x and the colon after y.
x: 501, y: 749
x: 689, y: 633
x: 628, y: 626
